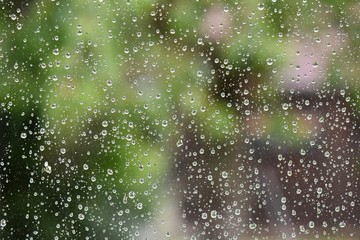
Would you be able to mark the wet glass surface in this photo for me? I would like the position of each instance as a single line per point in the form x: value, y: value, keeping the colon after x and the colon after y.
x: 179, y: 119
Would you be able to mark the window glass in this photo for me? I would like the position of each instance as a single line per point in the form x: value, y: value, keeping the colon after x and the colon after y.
x: 149, y: 119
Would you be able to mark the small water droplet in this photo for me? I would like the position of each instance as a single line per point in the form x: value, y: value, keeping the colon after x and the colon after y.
x: 129, y: 137
x: 213, y: 213
x: 105, y: 123
x: 132, y: 194
x: 85, y: 166
x: 164, y: 123
x: 46, y: 168
x: 179, y: 143
x: 302, y: 152
x: 269, y: 61
x: 342, y: 224
x: 311, y: 224
x: 2, y: 223
x: 56, y: 51
x: 252, y: 226
x: 285, y: 106
x: 261, y: 6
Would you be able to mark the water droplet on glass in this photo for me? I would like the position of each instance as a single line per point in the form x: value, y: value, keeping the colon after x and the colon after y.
x: 261, y: 6
x: 164, y: 123
x: 47, y: 168
x: 213, y: 213
x: 285, y: 106
x: 139, y: 206
x: 252, y: 226
x: 2, y: 223
x: 311, y: 224
x: 132, y: 194
x: 269, y: 61
x: 85, y: 166
x: 56, y: 51
x: 302, y: 152
x: 179, y: 143
x: 81, y: 216
x: 105, y: 123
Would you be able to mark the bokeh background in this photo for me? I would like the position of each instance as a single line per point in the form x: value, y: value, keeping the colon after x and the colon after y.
x: 179, y: 119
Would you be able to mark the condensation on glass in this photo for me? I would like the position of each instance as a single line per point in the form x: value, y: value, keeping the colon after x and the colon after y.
x: 147, y: 119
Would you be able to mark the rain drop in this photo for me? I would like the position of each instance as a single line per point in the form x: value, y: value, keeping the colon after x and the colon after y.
x: 261, y: 6
x: 2, y: 223
x: 269, y: 61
